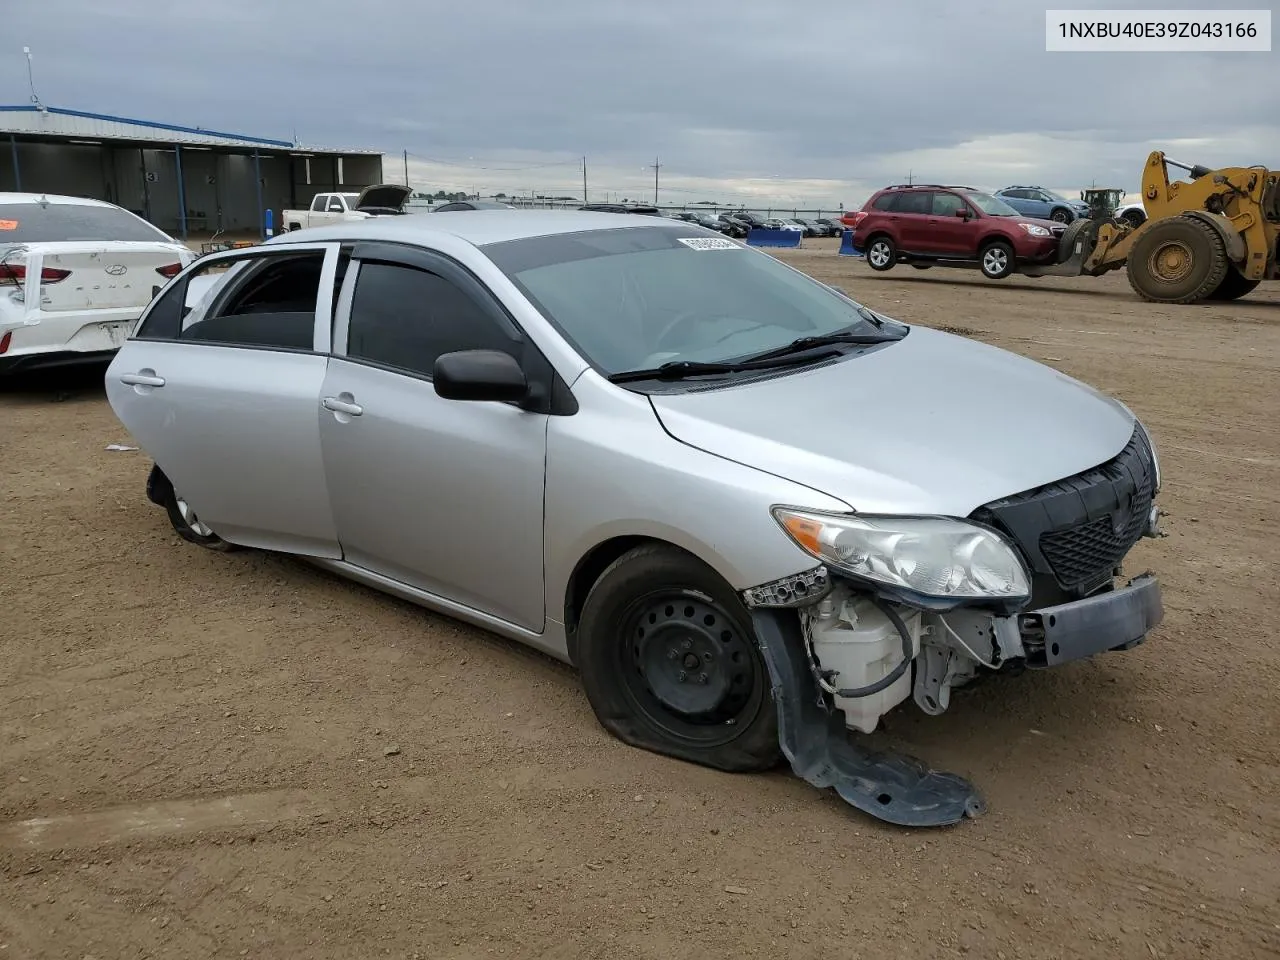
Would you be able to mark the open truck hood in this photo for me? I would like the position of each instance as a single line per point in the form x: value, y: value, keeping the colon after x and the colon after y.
x: 932, y: 424
x: 384, y: 196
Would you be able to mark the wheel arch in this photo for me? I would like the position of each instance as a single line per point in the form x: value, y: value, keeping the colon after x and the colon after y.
x: 995, y: 236
x: 587, y: 571
x: 159, y: 487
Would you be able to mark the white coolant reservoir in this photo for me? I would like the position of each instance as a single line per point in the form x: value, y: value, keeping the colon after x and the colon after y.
x: 851, y: 635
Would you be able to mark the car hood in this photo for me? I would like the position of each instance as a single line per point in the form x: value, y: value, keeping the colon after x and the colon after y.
x: 390, y: 196
x: 933, y: 424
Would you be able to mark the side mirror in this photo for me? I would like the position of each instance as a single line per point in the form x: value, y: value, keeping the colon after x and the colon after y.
x: 963, y: 213
x: 479, y: 375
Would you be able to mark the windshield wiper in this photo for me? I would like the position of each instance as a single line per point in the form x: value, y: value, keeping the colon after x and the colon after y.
x: 679, y: 369
x: 803, y: 344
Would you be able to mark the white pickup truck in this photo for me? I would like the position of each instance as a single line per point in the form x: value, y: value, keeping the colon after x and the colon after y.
x: 380, y: 200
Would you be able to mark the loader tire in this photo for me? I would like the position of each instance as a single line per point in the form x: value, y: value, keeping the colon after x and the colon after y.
x: 1177, y: 260
x: 1233, y: 286
x: 1079, y: 228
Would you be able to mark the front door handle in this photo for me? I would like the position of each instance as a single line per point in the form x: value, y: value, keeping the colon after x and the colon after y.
x: 342, y: 406
x: 141, y: 380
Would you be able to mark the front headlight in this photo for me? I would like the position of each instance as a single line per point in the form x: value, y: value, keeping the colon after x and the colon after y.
x: 1034, y: 229
x: 932, y: 556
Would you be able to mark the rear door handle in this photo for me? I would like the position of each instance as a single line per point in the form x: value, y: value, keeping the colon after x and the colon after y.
x: 342, y: 406
x: 141, y: 380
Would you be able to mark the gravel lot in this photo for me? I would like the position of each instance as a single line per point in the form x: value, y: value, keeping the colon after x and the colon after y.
x: 222, y: 756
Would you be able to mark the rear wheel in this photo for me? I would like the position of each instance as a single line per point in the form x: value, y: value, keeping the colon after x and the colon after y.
x: 881, y: 254
x: 190, y: 527
x: 1177, y: 260
x: 996, y: 260
x: 670, y: 664
x: 1233, y: 286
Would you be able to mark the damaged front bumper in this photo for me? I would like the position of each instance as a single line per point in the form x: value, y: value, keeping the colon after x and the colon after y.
x: 897, y: 788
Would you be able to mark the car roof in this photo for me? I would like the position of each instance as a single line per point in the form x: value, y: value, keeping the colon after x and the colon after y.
x: 477, y: 227
x: 52, y: 198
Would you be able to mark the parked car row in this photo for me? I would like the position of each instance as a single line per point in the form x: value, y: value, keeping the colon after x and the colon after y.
x: 737, y: 223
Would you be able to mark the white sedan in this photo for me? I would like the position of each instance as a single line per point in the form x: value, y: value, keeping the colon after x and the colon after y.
x: 75, y: 275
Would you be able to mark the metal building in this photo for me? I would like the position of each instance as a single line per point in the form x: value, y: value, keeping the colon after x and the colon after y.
x: 183, y: 179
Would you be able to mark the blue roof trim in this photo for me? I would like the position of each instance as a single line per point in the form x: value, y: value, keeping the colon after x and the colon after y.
x: 27, y: 108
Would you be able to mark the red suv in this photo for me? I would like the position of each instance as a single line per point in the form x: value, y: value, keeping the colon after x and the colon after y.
x: 924, y: 224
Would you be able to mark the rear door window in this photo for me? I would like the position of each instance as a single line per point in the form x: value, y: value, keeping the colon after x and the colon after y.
x: 916, y: 202
x: 59, y: 222
x: 317, y: 205
x: 266, y: 302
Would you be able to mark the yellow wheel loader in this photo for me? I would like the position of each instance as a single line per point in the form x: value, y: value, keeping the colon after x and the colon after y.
x: 1211, y: 237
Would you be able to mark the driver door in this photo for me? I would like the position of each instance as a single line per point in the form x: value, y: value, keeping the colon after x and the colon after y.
x: 444, y: 496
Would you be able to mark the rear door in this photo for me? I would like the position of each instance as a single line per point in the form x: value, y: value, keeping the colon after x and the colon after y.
x: 912, y: 212
x: 221, y: 387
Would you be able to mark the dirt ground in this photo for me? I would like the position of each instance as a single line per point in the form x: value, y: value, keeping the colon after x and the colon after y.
x: 227, y: 756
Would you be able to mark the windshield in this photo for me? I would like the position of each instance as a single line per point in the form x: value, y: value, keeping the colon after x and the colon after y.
x: 59, y: 222
x: 991, y: 205
x: 635, y: 298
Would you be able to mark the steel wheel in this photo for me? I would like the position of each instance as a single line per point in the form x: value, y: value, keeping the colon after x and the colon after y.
x: 691, y: 670
x: 669, y: 660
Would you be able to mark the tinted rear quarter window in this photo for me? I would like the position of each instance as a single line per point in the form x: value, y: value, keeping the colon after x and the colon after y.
x: 885, y: 202
x: 57, y: 222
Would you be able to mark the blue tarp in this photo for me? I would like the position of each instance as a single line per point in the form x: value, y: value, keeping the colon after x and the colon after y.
x: 847, y: 249
x: 774, y: 238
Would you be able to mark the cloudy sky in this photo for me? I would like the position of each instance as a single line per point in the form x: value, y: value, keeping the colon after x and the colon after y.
x: 808, y: 103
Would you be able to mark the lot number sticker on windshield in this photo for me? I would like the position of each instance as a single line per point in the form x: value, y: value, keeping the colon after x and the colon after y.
x: 709, y: 243
x: 8, y: 224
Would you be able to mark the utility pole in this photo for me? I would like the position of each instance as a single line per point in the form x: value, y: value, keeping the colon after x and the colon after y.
x: 584, y: 180
x: 656, y: 165
x: 406, y: 168
x: 910, y: 179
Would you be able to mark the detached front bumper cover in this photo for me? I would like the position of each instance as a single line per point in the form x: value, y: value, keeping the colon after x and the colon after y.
x: 892, y: 787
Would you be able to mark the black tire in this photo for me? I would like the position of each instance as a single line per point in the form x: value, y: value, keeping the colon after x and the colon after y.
x: 881, y: 254
x: 995, y: 259
x: 1134, y: 218
x: 1067, y: 242
x: 1060, y: 215
x: 182, y: 518
x: 1233, y: 286
x: 643, y: 624
x: 1177, y: 260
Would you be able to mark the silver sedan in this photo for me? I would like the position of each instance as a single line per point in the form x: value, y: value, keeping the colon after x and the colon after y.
x: 755, y: 514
